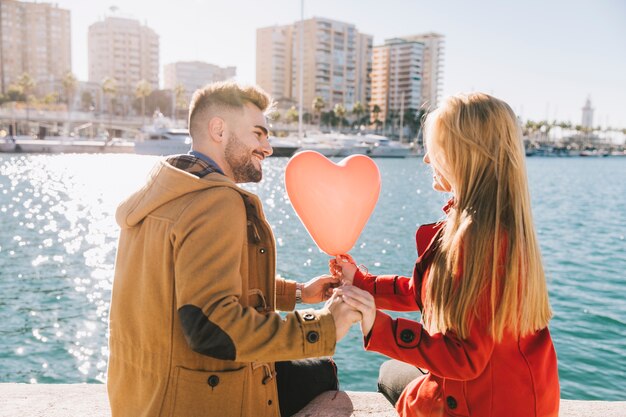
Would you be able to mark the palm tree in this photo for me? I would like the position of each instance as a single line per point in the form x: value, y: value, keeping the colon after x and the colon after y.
x: 109, y: 89
x: 318, y: 105
x: 27, y: 84
x: 340, y: 112
x: 274, y: 116
x: 142, y: 90
x: 180, y: 101
x: 69, y: 87
x: 292, y: 115
x: 376, y: 112
x: 358, y: 110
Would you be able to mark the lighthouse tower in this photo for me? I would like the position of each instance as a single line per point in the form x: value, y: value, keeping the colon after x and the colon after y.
x: 587, y: 121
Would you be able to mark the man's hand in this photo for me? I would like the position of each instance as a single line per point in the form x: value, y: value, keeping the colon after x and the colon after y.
x: 319, y: 289
x: 362, y: 301
x: 344, y: 267
x: 344, y: 315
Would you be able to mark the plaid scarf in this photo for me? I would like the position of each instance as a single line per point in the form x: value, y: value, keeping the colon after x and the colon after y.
x: 192, y: 165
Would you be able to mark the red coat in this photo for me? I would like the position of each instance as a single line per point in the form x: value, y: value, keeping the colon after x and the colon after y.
x: 516, y: 377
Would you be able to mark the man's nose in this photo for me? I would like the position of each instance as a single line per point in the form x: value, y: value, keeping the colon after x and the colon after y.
x: 266, y: 146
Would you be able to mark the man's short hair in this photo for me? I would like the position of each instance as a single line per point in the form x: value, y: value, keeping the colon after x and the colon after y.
x: 227, y: 95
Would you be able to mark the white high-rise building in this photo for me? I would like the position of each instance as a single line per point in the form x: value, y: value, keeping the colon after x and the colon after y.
x: 397, y: 77
x: 193, y: 75
x: 273, y: 63
x: 123, y: 49
x: 336, y: 62
x: 432, y: 67
x: 35, y: 38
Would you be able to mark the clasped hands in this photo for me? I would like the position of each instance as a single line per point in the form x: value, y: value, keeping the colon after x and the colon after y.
x: 347, y: 303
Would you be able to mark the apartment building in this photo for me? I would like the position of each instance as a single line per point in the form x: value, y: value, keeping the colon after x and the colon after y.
x: 336, y: 62
x: 35, y: 38
x: 397, y: 76
x: 432, y: 66
x: 193, y: 75
x: 273, y: 62
x: 123, y: 49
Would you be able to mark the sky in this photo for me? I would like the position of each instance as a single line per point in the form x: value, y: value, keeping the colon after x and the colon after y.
x: 544, y: 57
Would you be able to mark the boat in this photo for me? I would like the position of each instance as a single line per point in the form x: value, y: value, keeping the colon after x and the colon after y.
x: 65, y: 144
x: 592, y: 151
x: 322, y: 144
x: 383, y: 147
x: 7, y: 144
x: 164, y: 141
x: 283, y: 147
x: 352, y: 145
x: 375, y: 146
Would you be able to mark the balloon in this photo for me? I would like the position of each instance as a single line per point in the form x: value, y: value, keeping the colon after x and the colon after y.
x: 333, y: 201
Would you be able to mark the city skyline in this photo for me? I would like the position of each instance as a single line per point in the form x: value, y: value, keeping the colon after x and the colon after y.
x: 544, y: 59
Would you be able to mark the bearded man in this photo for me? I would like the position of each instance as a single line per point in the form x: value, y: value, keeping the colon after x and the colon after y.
x: 194, y: 329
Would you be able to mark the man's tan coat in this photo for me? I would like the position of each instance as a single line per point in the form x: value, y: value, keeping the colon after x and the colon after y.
x: 193, y: 326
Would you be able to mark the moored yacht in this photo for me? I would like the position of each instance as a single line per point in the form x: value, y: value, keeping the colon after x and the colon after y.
x: 164, y: 141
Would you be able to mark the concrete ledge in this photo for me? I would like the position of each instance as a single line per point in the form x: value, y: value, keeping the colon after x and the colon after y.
x: 79, y: 400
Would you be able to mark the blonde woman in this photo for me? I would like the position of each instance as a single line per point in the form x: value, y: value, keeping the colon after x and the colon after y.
x: 479, y: 283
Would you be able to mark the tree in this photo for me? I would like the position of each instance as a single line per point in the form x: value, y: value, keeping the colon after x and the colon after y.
x: 158, y: 100
x: 329, y: 118
x: 27, y: 84
x: 109, y: 89
x: 179, y: 98
x: 69, y: 83
x: 358, y: 110
x: 274, y: 116
x: 292, y: 115
x: 318, y: 105
x: 142, y: 90
x: 69, y: 87
x: 15, y: 93
x: 51, y: 98
x: 392, y: 116
x: 86, y: 101
x: 376, y: 110
x: 340, y: 112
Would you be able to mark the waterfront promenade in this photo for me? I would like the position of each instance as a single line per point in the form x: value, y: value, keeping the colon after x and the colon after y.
x: 78, y: 400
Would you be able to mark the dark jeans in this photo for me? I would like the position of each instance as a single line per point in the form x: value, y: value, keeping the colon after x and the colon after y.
x: 394, y: 376
x: 300, y: 381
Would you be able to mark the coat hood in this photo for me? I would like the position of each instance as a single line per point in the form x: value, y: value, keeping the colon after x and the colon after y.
x: 165, y: 183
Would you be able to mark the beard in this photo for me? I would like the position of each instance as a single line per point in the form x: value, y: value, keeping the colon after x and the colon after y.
x: 239, y: 157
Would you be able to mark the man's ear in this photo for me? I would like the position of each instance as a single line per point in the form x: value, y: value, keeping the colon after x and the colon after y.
x: 217, y: 126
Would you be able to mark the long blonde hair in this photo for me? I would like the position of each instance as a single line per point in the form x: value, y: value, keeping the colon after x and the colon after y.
x: 488, y: 266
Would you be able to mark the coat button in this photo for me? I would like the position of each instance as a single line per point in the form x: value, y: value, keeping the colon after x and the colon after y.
x: 308, y: 316
x: 213, y: 380
x: 262, y: 250
x: 407, y: 336
x: 451, y: 402
x: 312, y: 337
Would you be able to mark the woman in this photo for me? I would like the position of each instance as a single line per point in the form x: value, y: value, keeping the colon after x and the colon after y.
x: 478, y: 282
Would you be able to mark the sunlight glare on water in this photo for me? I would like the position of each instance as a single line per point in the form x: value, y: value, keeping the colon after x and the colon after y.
x: 58, y: 242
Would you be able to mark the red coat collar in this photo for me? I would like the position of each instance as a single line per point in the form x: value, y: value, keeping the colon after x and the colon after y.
x: 424, y: 237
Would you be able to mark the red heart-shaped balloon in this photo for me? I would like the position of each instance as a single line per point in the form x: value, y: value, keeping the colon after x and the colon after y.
x: 333, y: 201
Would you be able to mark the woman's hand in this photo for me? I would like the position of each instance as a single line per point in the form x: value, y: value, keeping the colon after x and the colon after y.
x: 344, y: 315
x: 319, y: 289
x: 344, y: 267
x: 363, y: 302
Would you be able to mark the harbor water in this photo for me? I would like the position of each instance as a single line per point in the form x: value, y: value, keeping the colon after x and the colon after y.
x: 58, y: 242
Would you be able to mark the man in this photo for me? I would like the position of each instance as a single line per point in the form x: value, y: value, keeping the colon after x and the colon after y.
x: 193, y: 326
